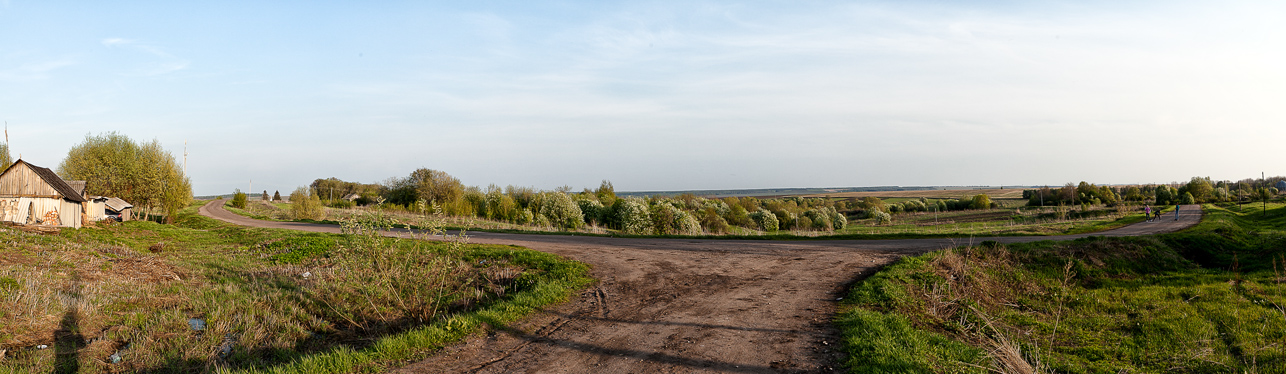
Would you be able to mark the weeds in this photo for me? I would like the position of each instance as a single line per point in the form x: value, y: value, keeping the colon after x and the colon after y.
x: 1096, y: 305
x: 270, y: 300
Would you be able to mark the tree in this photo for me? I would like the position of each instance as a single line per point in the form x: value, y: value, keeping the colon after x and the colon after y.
x: 606, y: 193
x: 436, y: 186
x: 1163, y: 195
x: 276, y: 195
x: 981, y: 201
x: 1187, y: 198
x: 239, y: 199
x: 1200, y: 188
x: 5, y: 159
x: 143, y: 174
x: 305, y: 205
x: 264, y: 197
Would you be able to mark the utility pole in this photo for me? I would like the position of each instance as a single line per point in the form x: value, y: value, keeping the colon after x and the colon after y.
x: 252, y: 187
x: 185, y: 157
x: 1263, y: 196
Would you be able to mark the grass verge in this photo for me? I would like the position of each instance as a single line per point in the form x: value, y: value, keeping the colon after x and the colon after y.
x: 1210, y: 299
x: 202, y: 296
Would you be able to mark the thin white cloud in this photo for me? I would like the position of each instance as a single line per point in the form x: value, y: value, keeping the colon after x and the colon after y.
x: 167, y: 63
x: 33, y: 71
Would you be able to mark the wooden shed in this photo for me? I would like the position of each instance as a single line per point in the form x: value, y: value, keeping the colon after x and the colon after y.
x: 34, y: 195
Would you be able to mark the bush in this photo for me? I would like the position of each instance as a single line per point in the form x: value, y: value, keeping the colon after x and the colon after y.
x: 980, y: 202
x: 664, y: 217
x: 686, y: 224
x: 737, y: 216
x: 838, y: 221
x: 1187, y: 199
x: 306, y: 206
x: 592, y: 210
x: 561, y: 211
x: 881, y: 218
x: 712, y: 222
x: 524, y: 217
x: 819, y: 219
x: 766, y: 220
x: 500, y: 207
x: 633, y: 216
x: 239, y: 199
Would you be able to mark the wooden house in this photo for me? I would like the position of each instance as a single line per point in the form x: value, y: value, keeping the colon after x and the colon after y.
x: 34, y: 195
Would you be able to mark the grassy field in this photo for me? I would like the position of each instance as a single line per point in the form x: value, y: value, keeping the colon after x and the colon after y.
x: 1008, y: 221
x: 1210, y: 299
x: 202, y: 295
x: 995, y: 193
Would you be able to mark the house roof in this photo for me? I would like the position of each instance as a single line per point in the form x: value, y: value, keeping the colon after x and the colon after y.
x: 116, y: 204
x: 52, y: 179
x: 79, y: 186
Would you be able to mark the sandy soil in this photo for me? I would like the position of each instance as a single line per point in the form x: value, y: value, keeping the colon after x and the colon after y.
x: 688, y: 306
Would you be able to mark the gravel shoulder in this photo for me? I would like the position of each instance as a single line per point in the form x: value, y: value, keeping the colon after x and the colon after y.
x: 688, y: 306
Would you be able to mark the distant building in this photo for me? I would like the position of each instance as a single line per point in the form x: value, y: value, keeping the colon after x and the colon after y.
x: 33, y: 195
x: 114, y: 205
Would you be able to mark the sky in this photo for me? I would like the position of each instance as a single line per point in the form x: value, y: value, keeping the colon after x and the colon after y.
x: 668, y: 95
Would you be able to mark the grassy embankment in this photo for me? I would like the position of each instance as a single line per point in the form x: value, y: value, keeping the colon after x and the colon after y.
x: 203, y: 295
x: 992, y: 222
x: 1210, y: 299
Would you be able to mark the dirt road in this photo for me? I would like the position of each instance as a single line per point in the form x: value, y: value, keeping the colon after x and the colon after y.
x: 688, y: 306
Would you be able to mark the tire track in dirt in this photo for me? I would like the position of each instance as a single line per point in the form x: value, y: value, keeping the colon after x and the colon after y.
x: 687, y: 306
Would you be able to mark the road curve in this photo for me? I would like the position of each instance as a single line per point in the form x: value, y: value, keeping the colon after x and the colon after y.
x: 688, y: 306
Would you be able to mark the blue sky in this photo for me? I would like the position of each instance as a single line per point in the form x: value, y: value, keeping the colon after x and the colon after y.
x: 658, y: 95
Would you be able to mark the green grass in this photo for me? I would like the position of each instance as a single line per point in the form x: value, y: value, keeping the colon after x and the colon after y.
x: 132, y: 287
x: 1210, y: 299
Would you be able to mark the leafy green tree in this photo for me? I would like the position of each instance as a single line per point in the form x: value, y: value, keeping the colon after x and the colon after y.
x: 436, y: 186
x: 143, y: 174
x: 1163, y: 195
x: 306, y: 205
x: 606, y: 193
x: 1187, y: 198
x: 981, y: 201
x: 5, y: 158
x: 1200, y: 188
x: 239, y: 199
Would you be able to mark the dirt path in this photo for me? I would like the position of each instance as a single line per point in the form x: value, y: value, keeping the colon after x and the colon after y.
x: 688, y: 306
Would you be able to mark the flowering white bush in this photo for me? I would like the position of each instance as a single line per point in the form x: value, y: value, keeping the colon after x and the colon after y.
x: 635, y: 219
x: 560, y: 210
x: 765, y: 220
x: 881, y: 218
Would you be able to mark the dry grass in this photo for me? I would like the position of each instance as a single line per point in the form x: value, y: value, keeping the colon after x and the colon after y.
x: 87, y: 294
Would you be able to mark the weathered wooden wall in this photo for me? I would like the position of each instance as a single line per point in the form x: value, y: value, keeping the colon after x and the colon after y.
x: 21, y: 181
x: 55, y: 212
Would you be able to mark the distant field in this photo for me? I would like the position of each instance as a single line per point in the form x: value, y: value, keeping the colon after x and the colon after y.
x: 994, y: 193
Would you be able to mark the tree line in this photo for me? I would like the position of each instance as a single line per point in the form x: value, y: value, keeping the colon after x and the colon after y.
x: 1196, y: 191
x: 428, y: 191
x: 141, y: 173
